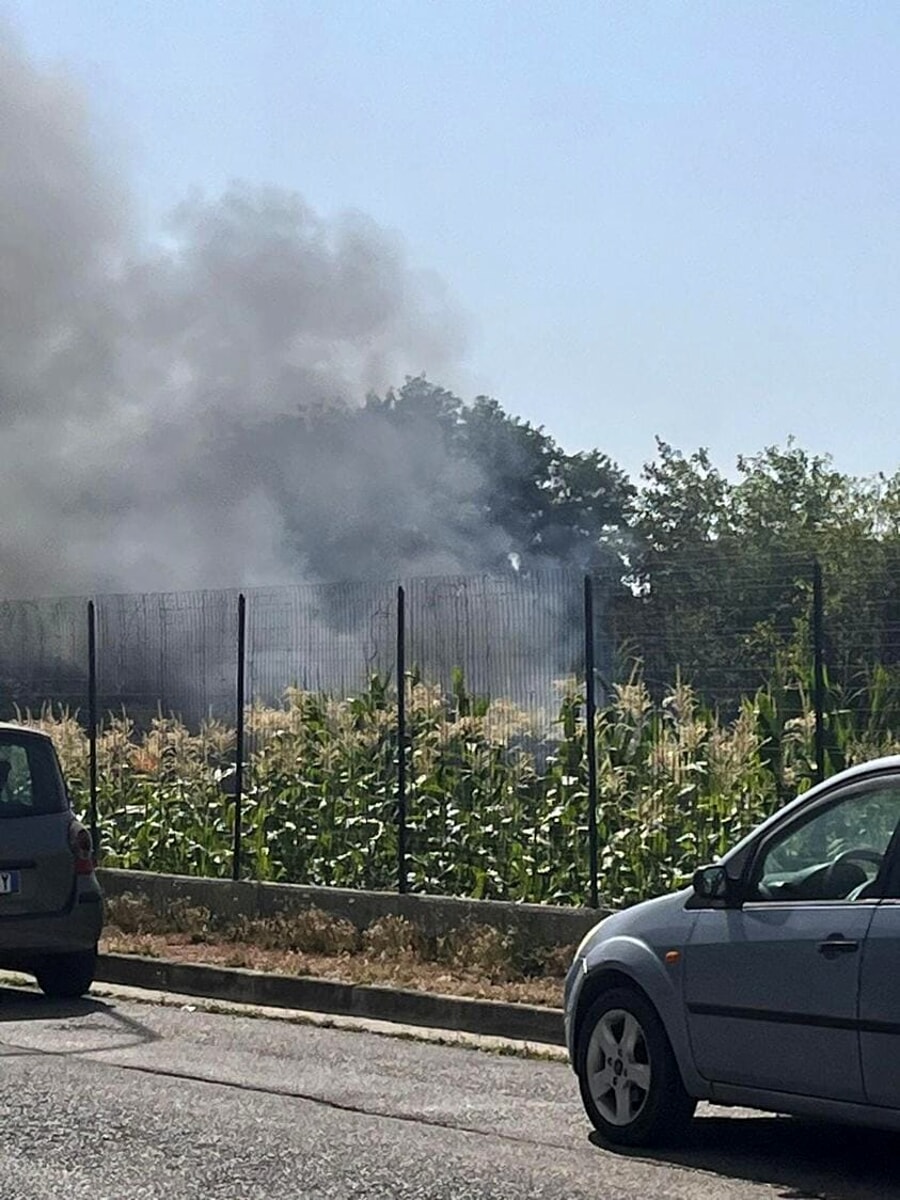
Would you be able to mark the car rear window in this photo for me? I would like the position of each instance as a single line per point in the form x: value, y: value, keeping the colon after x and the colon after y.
x: 30, y: 783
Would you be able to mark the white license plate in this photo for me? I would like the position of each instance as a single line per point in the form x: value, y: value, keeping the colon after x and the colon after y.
x: 9, y: 882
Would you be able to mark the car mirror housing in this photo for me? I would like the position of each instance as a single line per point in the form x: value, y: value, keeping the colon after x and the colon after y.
x: 713, y: 883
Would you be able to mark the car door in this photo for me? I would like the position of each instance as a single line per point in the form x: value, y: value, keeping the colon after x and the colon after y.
x: 879, y: 995
x: 772, y: 986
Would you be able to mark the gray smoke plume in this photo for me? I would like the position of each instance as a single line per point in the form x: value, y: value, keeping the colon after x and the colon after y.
x: 144, y: 392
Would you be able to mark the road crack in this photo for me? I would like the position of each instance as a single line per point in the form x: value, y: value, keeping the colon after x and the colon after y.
x: 286, y: 1093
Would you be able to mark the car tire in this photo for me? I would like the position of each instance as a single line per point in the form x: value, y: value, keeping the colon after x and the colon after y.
x: 631, y: 1086
x: 67, y: 976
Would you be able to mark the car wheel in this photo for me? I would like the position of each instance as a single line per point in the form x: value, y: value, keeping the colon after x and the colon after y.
x: 67, y: 976
x: 630, y: 1083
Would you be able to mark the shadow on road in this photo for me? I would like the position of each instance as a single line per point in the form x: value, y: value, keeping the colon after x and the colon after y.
x: 101, y: 1025
x: 807, y: 1160
x: 17, y: 1004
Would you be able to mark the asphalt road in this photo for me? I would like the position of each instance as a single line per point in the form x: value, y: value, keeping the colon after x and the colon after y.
x: 110, y: 1099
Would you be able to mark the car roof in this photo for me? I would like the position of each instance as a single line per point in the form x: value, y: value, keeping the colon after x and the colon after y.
x: 888, y: 762
x: 873, y: 766
x: 13, y: 727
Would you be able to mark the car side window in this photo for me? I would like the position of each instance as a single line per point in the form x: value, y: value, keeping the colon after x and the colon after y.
x: 834, y: 854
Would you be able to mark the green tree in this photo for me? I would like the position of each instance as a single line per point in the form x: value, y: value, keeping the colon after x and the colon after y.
x: 417, y: 482
x: 544, y: 506
x: 679, y: 619
x: 723, y: 568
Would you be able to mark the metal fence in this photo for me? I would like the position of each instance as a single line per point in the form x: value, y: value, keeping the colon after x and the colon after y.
x: 177, y: 652
x: 503, y: 682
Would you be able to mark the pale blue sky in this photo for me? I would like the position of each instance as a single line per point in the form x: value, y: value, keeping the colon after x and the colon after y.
x: 672, y: 218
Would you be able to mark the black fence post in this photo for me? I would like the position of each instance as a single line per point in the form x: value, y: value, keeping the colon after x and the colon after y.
x: 92, y: 727
x: 401, y: 741
x: 818, y: 623
x: 590, y: 731
x: 239, y: 737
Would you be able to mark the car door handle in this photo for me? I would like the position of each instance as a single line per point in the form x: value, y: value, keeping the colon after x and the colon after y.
x: 837, y: 944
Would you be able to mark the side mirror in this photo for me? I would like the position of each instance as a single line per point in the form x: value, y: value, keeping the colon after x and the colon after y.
x: 712, y: 883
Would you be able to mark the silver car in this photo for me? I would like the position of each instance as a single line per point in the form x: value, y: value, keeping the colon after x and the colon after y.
x: 773, y: 982
x: 51, y: 909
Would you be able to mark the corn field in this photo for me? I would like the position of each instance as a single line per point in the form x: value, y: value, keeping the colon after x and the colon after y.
x: 496, y: 809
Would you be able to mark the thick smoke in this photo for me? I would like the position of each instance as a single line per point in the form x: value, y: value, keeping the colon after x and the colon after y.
x: 144, y: 393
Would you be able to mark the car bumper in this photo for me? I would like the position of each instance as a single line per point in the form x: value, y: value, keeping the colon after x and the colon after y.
x: 75, y: 928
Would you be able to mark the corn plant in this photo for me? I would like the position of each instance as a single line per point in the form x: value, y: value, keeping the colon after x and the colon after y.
x: 498, y: 800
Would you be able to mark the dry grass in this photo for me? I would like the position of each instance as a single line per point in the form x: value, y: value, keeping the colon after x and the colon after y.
x: 392, y: 939
x: 476, y: 960
x: 311, y: 930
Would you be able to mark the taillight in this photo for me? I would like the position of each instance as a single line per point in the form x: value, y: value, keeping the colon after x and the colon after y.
x: 82, y: 848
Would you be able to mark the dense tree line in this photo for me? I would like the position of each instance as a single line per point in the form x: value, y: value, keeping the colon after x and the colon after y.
x: 726, y: 565
x: 700, y: 571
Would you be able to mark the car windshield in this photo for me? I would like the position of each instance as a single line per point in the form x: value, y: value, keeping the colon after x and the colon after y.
x: 30, y: 782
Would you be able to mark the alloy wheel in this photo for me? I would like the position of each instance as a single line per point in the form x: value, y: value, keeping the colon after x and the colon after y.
x: 618, y: 1066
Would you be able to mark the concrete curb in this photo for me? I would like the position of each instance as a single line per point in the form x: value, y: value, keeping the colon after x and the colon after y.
x: 491, y: 1018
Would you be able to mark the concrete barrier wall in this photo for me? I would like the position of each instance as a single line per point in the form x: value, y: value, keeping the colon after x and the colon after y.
x: 543, y: 925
